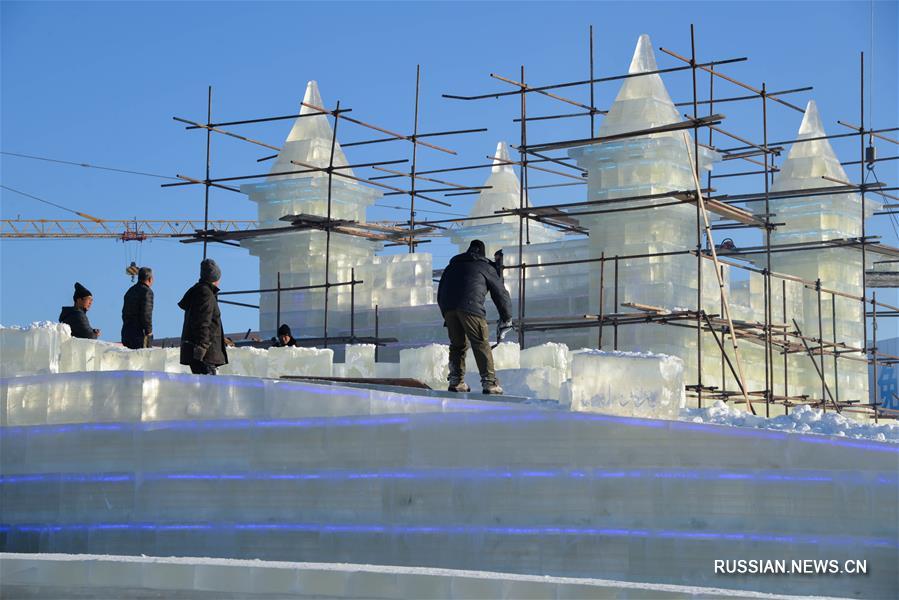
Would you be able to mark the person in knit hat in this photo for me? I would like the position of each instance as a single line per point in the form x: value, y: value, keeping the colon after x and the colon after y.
x: 76, y: 316
x: 284, y: 338
x: 202, y: 336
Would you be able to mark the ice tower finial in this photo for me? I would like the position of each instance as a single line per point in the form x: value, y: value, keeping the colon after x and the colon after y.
x: 644, y: 59
x: 501, y: 159
x: 809, y: 160
x: 642, y: 102
x: 309, y: 141
x: 811, y: 121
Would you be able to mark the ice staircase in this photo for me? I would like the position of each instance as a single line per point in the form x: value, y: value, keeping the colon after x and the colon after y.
x: 161, y: 464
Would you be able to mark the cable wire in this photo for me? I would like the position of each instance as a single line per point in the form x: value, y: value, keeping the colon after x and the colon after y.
x: 89, y: 166
x: 80, y: 214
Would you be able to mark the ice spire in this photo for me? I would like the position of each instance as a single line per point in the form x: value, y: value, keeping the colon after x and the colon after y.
x: 809, y: 161
x: 501, y: 159
x: 504, y: 191
x: 641, y: 102
x: 309, y: 141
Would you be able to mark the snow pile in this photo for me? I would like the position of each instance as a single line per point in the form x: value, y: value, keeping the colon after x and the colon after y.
x: 802, y: 419
x: 32, y: 349
x: 630, y: 384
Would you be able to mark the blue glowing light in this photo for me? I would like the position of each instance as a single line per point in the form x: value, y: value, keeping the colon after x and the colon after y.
x: 758, y: 476
x: 842, y: 541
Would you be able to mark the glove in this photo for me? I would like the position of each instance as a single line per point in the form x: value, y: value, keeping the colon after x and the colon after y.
x: 504, y: 324
x: 199, y: 353
x: 502, y: 328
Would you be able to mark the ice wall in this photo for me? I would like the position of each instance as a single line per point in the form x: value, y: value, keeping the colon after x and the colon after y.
x: 253, y: 469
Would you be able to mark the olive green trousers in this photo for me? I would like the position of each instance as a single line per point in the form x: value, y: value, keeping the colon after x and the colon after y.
x: 466, y: 329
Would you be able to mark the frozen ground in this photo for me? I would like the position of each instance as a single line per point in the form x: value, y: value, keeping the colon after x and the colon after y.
x: 103, y: 576
x: 801, y: 419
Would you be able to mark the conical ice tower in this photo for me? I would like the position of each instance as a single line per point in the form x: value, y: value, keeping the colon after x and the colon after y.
x: 300, y: 256
x: 503, y: 193
x: 815, y: 219
x: 638, y: 166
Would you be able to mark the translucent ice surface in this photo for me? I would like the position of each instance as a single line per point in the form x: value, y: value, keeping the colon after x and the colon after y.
x: 627, y: 383
x: 300, y: 361
x: 32, y: 349
x: 505, y: 356
x: 359, y: 360
x: 428, y: 364
x: 251, y: 362
x: 550, y: 354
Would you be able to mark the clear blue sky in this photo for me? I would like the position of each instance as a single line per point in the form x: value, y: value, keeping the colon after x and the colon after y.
x: 100, y: 82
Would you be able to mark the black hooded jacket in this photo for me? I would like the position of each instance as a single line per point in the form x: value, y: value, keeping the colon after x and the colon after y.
x: 137, y: 315
x: 465, y: 283
x: 77, y: 320
x: 202, y: 336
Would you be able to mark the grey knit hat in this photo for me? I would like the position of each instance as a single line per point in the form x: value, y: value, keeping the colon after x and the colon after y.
x: 209, y: 271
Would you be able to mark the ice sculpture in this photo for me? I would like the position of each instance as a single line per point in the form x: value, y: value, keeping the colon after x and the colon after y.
x: 300, y: 256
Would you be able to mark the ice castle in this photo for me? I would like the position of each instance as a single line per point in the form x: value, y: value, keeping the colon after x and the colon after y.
x: 122, y: 475
x: 651, y: 164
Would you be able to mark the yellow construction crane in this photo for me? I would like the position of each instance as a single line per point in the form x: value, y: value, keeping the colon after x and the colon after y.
x: 133, y: 230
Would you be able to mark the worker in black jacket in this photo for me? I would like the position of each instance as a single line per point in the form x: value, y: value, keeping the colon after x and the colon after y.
x: 76, y: 316
x: 202, y: 336
x: 460, y: 295
x: 137, y: 312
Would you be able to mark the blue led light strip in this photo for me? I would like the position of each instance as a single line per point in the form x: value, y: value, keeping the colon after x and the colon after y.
x: 465, y: 530
x: 756, y: 476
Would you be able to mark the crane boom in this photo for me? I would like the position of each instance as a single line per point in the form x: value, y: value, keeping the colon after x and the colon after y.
x: 125, y: 229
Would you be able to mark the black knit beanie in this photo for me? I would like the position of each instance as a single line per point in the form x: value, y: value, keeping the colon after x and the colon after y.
x: 80, y: 292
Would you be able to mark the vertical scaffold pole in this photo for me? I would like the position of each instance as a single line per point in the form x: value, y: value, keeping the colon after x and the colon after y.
x: 328, y: 228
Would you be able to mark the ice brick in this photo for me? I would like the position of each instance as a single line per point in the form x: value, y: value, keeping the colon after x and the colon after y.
x: 250, y: 362
x: 544, y: 383
x: 31, y: 350
x: 549, y: 354
x: 300, y: 361
x: 428, y: 364
x: 359, y: 360
x: 505, y: 356
x: 628, y: 383
x: 78, y: 354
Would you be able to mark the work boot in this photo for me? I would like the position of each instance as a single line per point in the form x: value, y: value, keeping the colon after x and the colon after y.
x: 491, y: 387
x: 458, y: 386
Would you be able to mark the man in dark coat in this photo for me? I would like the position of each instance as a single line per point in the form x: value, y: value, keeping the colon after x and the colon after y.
x: 137, y: 312
x: 76, y: 316
x: 285, y: 337
x: 202, y: 337
x: 461, y: 294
